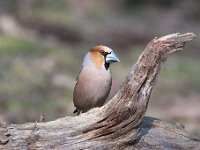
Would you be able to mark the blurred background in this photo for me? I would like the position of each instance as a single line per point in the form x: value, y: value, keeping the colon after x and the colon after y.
x: 42, y: 45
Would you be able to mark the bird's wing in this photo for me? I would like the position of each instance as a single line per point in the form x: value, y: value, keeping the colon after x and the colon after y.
x: 81, y: 94
x: 79, y: 74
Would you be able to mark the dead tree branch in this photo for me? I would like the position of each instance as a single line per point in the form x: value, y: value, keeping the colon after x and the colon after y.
x: 120, y: 124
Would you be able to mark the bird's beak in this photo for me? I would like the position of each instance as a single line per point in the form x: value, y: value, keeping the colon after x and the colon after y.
x: 112, y: 58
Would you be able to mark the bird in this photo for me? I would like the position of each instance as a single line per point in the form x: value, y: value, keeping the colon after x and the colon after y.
x: 94, y: 81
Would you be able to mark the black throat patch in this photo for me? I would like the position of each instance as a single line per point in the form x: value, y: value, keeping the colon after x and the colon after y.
x: 107, y: 65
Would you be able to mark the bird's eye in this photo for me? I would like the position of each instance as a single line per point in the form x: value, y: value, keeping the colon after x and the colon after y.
x: 102, y: 52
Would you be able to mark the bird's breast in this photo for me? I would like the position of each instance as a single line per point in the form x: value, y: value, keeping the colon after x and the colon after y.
x: 92, y: 88
x: 96, y: 81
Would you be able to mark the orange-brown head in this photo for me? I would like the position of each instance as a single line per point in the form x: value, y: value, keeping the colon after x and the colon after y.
x: 100, y: 57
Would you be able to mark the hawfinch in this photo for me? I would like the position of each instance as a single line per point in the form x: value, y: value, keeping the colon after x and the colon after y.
x: 94, y: 80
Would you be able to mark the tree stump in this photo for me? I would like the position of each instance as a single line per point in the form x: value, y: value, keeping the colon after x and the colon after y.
x: 119, y: 124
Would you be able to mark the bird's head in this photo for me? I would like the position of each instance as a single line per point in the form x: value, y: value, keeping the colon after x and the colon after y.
x: 100, y: 57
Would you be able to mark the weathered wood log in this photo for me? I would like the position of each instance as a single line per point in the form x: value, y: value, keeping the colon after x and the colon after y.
x: 120, y: 124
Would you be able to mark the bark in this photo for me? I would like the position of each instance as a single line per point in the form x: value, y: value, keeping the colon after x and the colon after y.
x: 120, y: 124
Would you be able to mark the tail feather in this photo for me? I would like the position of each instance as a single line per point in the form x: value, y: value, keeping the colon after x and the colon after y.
x: 77, y: 111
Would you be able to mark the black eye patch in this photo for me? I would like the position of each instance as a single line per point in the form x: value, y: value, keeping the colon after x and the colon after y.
x: 102, y: 52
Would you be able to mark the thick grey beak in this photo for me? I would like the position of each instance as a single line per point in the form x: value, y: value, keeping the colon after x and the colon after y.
x: 112, y: 58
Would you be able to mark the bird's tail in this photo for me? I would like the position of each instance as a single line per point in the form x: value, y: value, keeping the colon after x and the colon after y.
x: 77, y: 111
